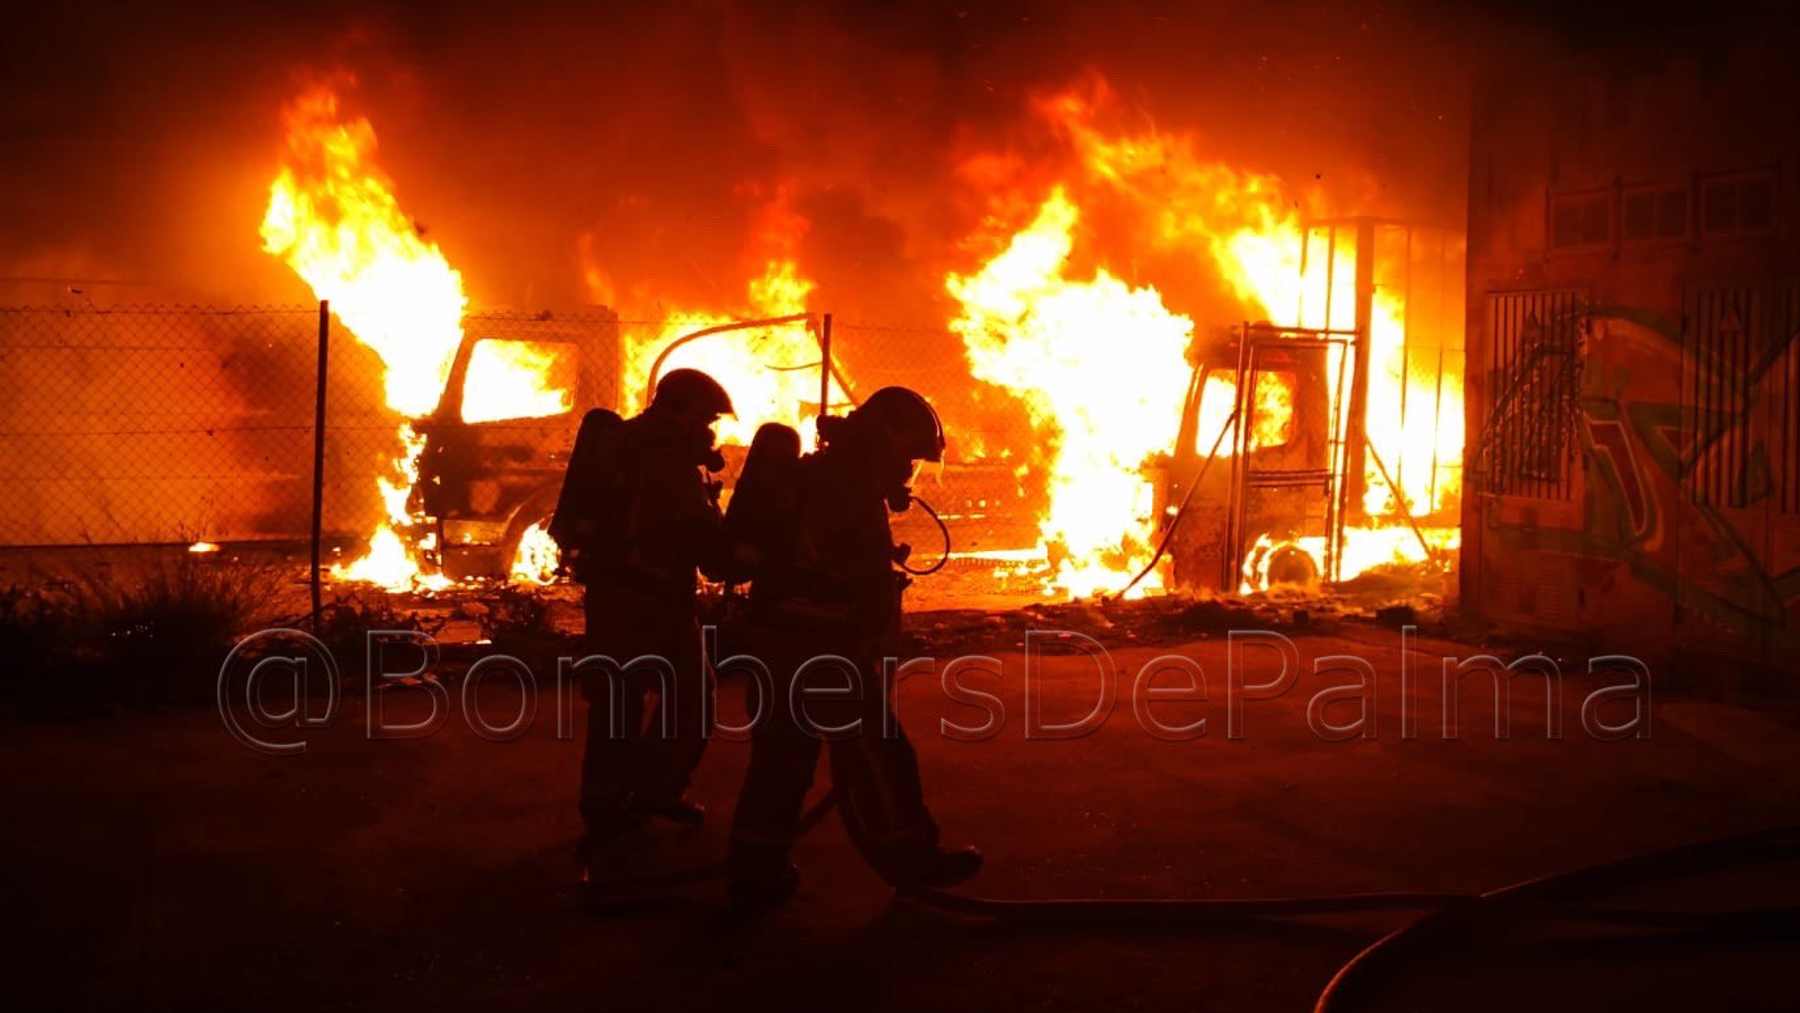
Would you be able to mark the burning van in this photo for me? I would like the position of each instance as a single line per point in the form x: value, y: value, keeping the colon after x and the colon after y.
x: 495, y: 447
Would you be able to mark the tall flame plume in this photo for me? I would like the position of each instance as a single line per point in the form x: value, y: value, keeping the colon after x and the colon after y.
x: 1101, y: 366
x: 333, y: 218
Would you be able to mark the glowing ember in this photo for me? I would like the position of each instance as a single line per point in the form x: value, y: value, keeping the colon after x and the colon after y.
x: 204, y: 547
x: 1091, y: 361
x: 333, y: 218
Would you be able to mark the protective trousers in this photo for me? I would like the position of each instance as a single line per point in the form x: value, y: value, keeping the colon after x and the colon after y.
x: 821, y: 693
x: 640, y: 753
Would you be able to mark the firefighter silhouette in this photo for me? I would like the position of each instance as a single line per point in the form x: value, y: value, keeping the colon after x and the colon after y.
x: 824, y: 612
x: 637, y: 516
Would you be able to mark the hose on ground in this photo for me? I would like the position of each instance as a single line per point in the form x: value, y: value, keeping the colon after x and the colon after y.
x: 1356, y: 980
x: 1555, y: 895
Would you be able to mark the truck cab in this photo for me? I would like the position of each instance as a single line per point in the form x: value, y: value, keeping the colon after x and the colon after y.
x: 496, y: 446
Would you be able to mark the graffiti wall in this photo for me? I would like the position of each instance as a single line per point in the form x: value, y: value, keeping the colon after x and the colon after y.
x: 1676, y: 509
x: 1633, y: 385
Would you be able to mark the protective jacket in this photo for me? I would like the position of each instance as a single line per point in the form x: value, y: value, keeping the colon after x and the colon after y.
x: 833, y: 594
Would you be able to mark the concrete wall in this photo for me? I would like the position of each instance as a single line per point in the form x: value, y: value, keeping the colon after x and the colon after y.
x: 1675, y: 517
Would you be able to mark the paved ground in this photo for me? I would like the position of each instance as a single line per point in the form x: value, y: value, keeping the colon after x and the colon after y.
x: 157, y: 864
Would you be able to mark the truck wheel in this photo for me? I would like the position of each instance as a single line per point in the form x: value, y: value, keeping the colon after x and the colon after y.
x: 527, y: 552
x: 534, y: 557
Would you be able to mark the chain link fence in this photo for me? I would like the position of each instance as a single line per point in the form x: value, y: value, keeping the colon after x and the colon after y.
x: 155, y: 424
x: 989, y: 488
x: 171, y: 424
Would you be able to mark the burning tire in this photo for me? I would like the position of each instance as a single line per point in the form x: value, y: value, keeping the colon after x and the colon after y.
x: 527, y: 552
x: 1292, y: 565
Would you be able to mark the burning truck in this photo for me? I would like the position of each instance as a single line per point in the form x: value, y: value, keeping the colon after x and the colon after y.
x: 1281, y: 471
x: 489, y: 478
x: 1318, y: 440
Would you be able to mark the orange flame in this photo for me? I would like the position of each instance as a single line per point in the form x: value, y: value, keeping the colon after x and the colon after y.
x: 537, y: 558
x: 333, y: 218
x: 1274, y: 412
x: 1090, y: 359
x: 517, y: 380
x: 762, y: 368
x: 1102, y: 373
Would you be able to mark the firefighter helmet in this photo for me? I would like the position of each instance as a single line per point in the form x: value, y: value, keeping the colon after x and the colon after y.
x: 908, y: 419
x: 691, y: 390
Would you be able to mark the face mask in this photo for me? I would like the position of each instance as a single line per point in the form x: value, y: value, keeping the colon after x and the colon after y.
x: 705, y: 451
x: 899, y: 495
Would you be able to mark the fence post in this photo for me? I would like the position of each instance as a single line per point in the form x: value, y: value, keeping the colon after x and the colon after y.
x: 318, y: 490
x: 825, y: 365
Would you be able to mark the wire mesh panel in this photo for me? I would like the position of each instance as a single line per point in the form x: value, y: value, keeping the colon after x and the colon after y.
x: 1740, y: 341
x: 984, y: 421
x: 155, y: 424
x: 159, y: 424
x: 1724, y: 335
x: 1528, y: 444
x: 1785, y: 330
x: 992, y: 487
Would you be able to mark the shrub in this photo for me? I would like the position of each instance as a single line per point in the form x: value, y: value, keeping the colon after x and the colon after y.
x: 100, y: 641
x: 344, y: 625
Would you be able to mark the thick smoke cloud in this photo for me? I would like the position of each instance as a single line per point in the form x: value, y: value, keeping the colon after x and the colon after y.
x: 649, y: 143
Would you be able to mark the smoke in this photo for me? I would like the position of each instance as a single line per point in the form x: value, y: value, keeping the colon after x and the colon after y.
x: 547, y: 149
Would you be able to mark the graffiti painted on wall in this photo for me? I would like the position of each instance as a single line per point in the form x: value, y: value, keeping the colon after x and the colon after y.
x: 1687, y: 444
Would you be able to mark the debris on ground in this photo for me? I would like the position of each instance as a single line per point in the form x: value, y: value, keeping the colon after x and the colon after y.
x: 1397, y: 616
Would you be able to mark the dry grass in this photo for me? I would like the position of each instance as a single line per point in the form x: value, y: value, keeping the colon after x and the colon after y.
x: 98, y: 641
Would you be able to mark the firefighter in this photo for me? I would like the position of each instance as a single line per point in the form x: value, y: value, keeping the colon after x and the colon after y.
x: 825, y: 611
x: 638, y: 516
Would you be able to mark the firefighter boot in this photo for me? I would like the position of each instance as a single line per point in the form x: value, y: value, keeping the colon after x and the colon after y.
x: 949, y: 866
x: 762, y: 877
x: 681, y: 811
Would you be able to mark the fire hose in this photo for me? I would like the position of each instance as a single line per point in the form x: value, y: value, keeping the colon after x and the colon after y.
x: 1444, y: 915
x: 945, y: 558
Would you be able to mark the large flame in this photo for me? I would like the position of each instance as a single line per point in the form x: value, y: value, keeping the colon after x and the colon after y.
x: 1102, y: 366
x: 333, y: 218
x: 1423, y: 453
x: 518, y: 380
x: 771, y: 373
x: 1412, y: 474
x: 1091, y: 360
